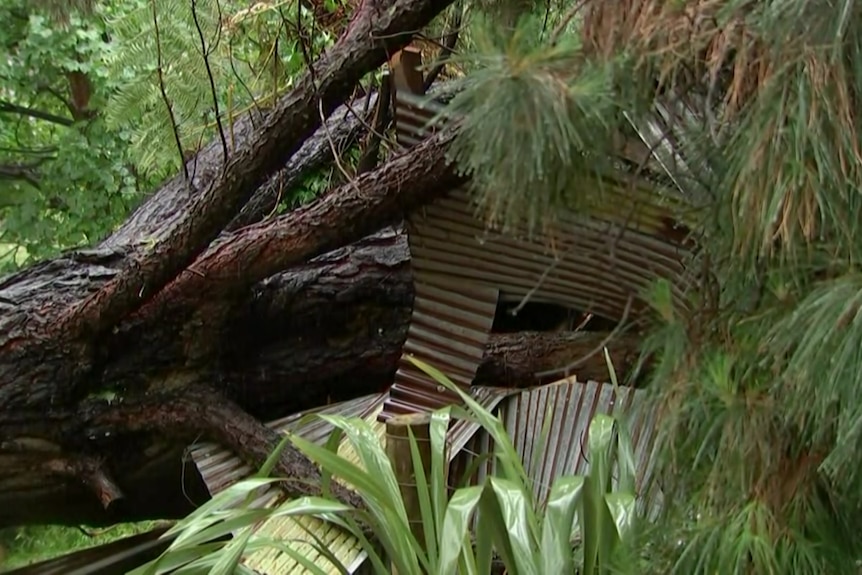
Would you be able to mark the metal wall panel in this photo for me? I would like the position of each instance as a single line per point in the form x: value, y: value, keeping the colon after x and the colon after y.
x: 548, y: 427
x: 449, y: 330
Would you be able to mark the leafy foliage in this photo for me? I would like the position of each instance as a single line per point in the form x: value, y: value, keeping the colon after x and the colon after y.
x: 68, y: 178
x: 757, y: 382
x: 528, y: 537
x: 89, y: 132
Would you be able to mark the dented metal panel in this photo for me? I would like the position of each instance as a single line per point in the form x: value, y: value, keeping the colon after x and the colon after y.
x: 594, y: 266
x: 548, y: 427
x: 449, y: 329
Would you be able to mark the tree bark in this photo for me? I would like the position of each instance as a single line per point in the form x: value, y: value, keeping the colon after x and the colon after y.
x: 196, y: 319
x: 329, y: 330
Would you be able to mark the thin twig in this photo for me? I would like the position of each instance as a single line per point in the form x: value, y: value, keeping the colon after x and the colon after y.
x: 164, y: 92
x: 446, y: 50
x: 206, y: 56
x: 538, y: 285
x: 310, y: 65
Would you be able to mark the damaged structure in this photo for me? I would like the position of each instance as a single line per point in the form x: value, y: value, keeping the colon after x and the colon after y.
x: 463, y: 273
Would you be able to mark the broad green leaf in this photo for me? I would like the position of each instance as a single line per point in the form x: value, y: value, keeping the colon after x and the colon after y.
x: 623, y: 510
x: 513, y: 507
x: 563, y: 503
x: 595, y: 517
x: 455, y: 530
x: 389, y: 510
x: 440, y: 421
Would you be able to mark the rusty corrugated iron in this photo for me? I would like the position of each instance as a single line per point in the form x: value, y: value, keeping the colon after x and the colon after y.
x: 548, y: 427
x: 449, y: 329
x: 594, y: 267
x: 601, y: 260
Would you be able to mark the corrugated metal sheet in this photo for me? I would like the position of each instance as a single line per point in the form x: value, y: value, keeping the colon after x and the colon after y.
x: 595, y: 266
x: 449, y: 329
x: 567, y: 408
x: 220, y: 468
x: 603, y: 259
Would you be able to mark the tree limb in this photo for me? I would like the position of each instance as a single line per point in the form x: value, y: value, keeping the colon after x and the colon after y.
x: 343, y: 126
x: 10, y: 108
x: 342, y: 216
x: 357, y: 52
x: 191, y: 412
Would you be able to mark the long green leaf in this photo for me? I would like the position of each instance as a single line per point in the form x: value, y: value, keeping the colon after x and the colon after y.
x: 172, y: 559
x: 232, y: 522
x: 426, y: 556
x: 594, y: 512
x: 438, y: 432
x: 231, y: 555
x: 270, y: 462
x: 563, y: 503
x: 456, y: 524
x: 228, y: 498
x: 513, y: 507
x: 491, y: 533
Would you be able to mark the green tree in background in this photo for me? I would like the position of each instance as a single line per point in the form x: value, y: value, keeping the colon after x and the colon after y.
x: 65, y: 176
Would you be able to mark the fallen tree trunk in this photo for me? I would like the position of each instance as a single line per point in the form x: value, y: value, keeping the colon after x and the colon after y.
x: 189, y: 324
x: 328, y: 330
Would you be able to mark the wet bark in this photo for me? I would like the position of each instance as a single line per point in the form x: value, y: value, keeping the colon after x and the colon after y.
x: 325, y: 331
x: 106, y: 354
x: 199, y: 318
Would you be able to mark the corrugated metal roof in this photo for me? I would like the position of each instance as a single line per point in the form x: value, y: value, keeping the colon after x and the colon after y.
x: 594, y: 266
x: 567, y: 408
x: 449, y: 329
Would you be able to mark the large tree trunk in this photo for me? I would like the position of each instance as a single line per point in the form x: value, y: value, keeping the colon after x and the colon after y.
x: 66, y: 413
x: 199, y: 317
x: 328, y: 330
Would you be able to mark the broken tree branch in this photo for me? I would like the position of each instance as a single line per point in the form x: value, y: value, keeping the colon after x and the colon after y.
x: 357, y: 52
x: 342, y: 216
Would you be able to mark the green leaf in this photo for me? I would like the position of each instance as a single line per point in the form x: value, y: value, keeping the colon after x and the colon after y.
x: 513, y: 505
x: 455, y: 529
x: 556, y: 555
x: 231, y: 555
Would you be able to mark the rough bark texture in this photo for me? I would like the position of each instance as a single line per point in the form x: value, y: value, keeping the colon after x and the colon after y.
x: 106, y: 353
x: 328, y: 330
x: 200, y: 317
